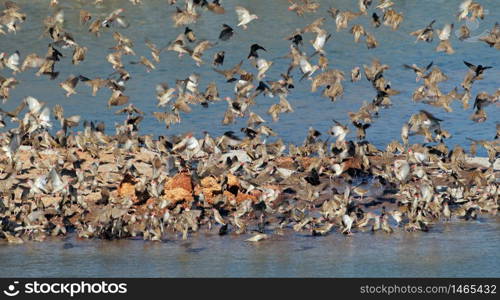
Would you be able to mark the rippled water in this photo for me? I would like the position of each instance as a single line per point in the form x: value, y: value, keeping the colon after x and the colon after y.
x: 458, y: 249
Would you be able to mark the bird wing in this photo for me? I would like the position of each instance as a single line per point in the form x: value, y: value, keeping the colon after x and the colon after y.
x: 33, y: 104
x: 45, y: 117
x: 242, y: 13
x: 201, y: 47
x: 445, y: 33
x: 14, y: 59
x: 471, y: 66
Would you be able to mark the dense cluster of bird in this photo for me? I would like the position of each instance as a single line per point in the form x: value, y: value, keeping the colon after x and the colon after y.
x: 125, y: 185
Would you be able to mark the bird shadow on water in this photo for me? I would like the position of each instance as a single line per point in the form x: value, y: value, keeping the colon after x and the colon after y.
x: 190, y: 249
x: 303, y: 248
x: 195, y: 250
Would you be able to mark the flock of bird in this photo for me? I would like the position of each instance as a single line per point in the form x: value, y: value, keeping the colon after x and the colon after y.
x: 125, y: 185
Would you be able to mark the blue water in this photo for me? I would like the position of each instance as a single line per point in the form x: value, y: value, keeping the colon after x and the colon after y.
x: 456, y: 249
x: 275, y: 22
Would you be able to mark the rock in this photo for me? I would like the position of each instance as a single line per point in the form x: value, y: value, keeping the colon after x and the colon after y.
x: 307, y: 161
x: 179, y: 188
x: 211, y: 183
x: 229, y: 196
x: 285, y: 162
x: 209, y: 187
x: 353, y: 163
x: 241, y: 197
x: 181, y: 180
x: 127, y: 189
x: 176, y: 195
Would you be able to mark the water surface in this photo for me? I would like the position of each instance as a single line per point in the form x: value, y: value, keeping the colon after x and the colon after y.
x: 457, y: 249
x: 275, y: 22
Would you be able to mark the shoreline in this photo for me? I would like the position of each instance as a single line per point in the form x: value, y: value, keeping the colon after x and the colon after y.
x: 136, y: 194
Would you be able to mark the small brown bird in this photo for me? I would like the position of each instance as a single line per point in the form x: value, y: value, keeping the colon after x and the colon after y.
x: 198, y: 50
x: 218, y: 58
x: 371, y: 42
x: 79, y: 55
x: 167, y: 118
x: 117, y: 98
x: 444, y: 37
x: 216, y: 7
x: 392, y: 19
x: 357, y: 31
x: 425, y: 34
x: 356, y: 74
x: 343, y: 18
x: 146, y: 62
x: 420, y: 72
x: 307, y: 6
x: 155, y: 51
x: 189, y: 34
x: 464, y: 32
x: 229, y: 74
x: 85, y: 16
x: 69, y: 85
x: 164, y: 94
x: 493, y: 38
